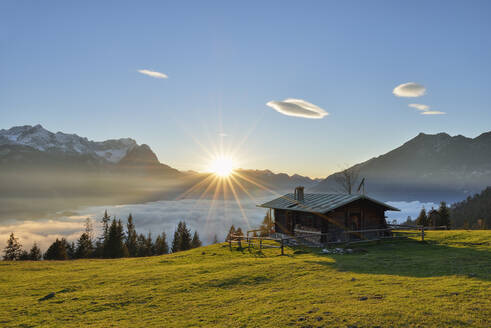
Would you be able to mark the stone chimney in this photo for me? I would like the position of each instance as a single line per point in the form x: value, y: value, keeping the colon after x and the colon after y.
x: 298, y: 194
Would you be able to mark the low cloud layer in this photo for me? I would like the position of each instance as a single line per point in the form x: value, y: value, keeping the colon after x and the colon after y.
x: 298, y: 108
x: 206, y: 217
x: 409, y: 90
x: 154, y: 74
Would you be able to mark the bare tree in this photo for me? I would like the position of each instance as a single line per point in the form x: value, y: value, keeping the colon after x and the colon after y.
x: 89, y: 228
x: 347, y: 179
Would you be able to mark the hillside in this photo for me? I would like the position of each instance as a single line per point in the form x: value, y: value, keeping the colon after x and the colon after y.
x: 473, y: 212
x: 427, y: 168
x: 445, y: 282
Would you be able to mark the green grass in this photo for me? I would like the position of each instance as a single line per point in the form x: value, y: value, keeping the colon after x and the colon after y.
x: 445, y: 282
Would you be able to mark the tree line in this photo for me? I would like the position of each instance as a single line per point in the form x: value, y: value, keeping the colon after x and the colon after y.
x: 114, y: 242
x: 434, y: 218
x: 473, y: 212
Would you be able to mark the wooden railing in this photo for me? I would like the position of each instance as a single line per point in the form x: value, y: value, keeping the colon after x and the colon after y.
x: 304, y: 237
x: 260, y: 242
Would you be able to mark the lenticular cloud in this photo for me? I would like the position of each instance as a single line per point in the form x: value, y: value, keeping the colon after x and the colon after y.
x: 409, y: 90
x: 433, y: 112
x: 420, y: 107
x: 154, y: 74
x: 298, y: 108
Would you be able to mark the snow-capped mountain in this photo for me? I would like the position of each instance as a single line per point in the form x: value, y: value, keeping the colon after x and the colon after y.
x: 43, y: 140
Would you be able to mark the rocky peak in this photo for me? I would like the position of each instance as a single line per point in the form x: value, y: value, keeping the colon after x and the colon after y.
x: 43, y: 140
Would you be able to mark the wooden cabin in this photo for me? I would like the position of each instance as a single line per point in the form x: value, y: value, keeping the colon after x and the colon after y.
x: 333, y: 217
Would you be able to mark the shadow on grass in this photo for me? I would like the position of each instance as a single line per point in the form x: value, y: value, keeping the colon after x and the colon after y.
x: 413, y: 258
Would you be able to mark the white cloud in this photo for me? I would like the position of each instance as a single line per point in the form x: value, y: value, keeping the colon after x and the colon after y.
x: 420, y: 106
x: 409, y: 90
x: 432, y: 112
x: 154, y: 74
x: 425, y: 109
x: 298, y: 108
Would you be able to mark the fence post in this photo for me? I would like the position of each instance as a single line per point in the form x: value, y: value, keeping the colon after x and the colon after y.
x: 282, y: 252
x: 240, y: 242
x: 260, y: 244
x: 249, y: 242
x: 422, y: 233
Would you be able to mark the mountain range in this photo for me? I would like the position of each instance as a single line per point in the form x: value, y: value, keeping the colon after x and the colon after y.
x: 41, y: 171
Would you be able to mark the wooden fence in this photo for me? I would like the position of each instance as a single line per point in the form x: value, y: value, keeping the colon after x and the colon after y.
x: 309, y: 238
x: 259, y: 242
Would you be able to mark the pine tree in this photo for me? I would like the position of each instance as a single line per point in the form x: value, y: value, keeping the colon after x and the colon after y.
x: 131, y: 237
x: 70, y: 250
x: 422, y: 219
x: 160, y: 246
x: 176, y: 241
x: 182, y: 238
x: 231, y: 232
x: 444, y: 213
x: 114, y: 246
x: 215, y: 239
x: 185, y: 237
x: 149, y: 245
x: 100, y: 244
x: 84, y: 247
x: 98, y: 249
x: 434, y: 219
x: 24, y: 256
x: 13, y: 251
x: 239, y: 232
x: 35, y: 253
x: 409, y: 221
x: 140, y: 245
x: 196, y: 242
x: 57, y: 250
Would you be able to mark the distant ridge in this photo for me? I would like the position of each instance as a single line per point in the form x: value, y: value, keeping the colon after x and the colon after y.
x: 427, y: 167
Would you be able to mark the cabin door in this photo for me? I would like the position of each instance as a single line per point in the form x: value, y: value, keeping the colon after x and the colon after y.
x: 289, y: 222
x: 355, y: 224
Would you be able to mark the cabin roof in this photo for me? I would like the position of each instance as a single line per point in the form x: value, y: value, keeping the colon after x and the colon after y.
x: 319, y: 203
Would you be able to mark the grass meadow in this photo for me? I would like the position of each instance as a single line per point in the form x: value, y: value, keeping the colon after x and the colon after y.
x: 442, y: 282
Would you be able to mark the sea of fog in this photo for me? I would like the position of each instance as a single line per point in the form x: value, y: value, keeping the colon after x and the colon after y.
x: 208, y: 217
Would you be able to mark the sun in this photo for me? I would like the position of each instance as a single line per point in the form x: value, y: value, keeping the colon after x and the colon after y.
x: 222, y: 166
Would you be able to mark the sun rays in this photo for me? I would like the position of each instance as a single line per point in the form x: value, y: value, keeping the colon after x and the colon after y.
x: 223, y: 181
x: 222, y: 166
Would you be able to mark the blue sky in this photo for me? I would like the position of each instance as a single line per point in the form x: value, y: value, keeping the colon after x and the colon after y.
x: 73, y: 67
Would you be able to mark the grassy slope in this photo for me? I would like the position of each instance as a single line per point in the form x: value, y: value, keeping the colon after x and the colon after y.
x: 446, y: 282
